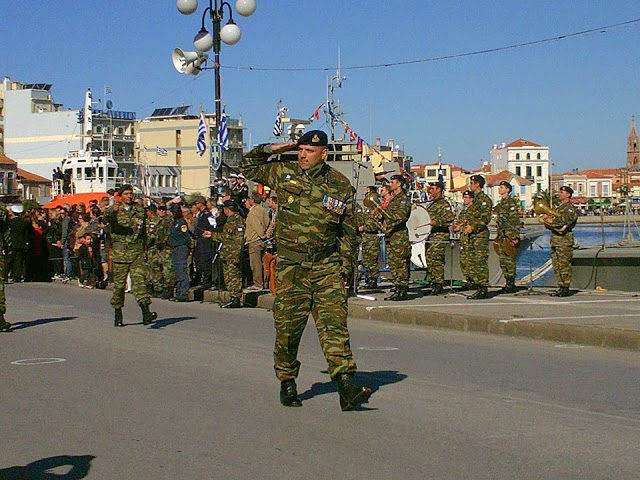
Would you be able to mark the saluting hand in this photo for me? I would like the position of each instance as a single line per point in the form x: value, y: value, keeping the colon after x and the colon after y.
x: 278, y: 148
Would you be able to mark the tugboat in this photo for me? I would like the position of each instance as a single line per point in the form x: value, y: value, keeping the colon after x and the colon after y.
x: 85, y: 174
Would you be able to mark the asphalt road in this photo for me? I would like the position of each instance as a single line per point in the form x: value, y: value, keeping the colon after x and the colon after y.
x: 194, y: 397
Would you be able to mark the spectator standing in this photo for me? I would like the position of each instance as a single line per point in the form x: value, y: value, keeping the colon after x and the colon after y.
x: 203, y: 253
x: 20, y: 230
x: 54, y: 241
x: 86, y: 261
x: 255, y: 234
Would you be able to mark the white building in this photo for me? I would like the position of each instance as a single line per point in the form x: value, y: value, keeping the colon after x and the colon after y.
x: 525, y: 159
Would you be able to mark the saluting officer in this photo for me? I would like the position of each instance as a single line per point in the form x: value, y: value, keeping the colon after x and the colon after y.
x: 507, y: 212
x: 442, y: 217
x: 396, y: 234
x: 478, y: 218
x: 316, y: 235
x: 562, y: 241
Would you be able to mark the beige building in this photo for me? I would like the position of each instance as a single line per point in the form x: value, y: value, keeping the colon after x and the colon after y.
x: 168, y: 139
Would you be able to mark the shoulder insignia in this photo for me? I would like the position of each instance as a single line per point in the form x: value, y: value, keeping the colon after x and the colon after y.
x: 183, y: 228
x: 513, y: 208
x: 240, y: 229
x: 290, y: 199
x: 484, y: 203
x: 288, y: 177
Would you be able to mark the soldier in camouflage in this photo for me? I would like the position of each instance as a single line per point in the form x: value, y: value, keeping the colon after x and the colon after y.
x: 163, y: 245
x: 154, y: 281
x: 441, y: 217
x: 127, y: 221
x: 5, y: 255
x: 316, y: 236
x: 369, y: 227
x: 507, y: 212
x: 394, y: 227
x: 562, y: 241
x: 478, y: 218
x: 232, y: 239
x: 459, y: 226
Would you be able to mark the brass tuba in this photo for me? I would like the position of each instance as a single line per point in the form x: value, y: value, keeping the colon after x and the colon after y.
x: 541, y: 207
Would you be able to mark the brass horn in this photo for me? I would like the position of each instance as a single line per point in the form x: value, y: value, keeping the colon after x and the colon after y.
x: 541, y: 207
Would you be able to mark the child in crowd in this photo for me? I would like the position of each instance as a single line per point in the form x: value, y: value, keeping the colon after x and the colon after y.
x: 85, y: 258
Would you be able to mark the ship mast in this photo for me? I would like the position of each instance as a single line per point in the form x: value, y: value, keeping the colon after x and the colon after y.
x: 333, y: 110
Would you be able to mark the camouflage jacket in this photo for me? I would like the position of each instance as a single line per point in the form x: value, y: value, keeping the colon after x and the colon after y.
x: 127, y: 232
x: 231, y: 237
x: 316, y: 214
x: 366, y: 220
x: 507, y: 212
x: 397, y: 214
x: 479, y: 213
x: 562, y: 226
x: 441, y: 213
x: 5, y: 233
x: 163, y: 229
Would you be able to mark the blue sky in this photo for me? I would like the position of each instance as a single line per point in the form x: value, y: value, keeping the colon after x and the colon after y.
x: 576, y: 95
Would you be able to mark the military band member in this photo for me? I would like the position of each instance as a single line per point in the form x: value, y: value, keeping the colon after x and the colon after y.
x: 316, y: 235
x: 507, y: 212
x: 127, y: 221
x: 459, y: 226
x: 562, y: 241
x: 369, y: 227
x: 478, y: 218
x: 163, y: 245
x: 396, y: 234
x: 441, y: 216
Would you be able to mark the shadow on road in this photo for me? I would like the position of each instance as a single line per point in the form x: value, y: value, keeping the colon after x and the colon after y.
x: 373, y: 380
x: 75, y: 466
x: 165, y: 322
x: 40, y: 321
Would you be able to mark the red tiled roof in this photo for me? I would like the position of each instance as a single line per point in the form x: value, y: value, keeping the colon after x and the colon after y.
x: 600, y: 172
x: 4, y: 160
x: 31, y: 177
x: 506, y: 176
x: 521, y: 142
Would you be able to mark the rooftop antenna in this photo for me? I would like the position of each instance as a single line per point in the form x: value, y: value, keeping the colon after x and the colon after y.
x: 334, y: 110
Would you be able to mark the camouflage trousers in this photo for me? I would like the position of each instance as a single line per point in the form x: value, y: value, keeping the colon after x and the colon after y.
x: 232, y: 276
x: 318, y: 290
x: 139, y: 272
x: 479, y: 258
x: 436, y: 246
x: 398, y: 255
x: 465, y: 256
x: 160, y: 264
x: 371, y: 255
x: 3, y: 279
x: 507, y: 263
x: 561, y: 256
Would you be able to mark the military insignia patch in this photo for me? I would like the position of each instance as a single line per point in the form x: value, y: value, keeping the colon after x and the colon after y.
x: 184, y: 229
x: 290, y: 199
x: 315, y: 139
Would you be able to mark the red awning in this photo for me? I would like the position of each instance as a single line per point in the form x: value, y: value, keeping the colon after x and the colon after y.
x: 75, y: 199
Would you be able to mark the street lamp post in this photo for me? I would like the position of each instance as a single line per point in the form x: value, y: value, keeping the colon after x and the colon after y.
x: 190, y: 62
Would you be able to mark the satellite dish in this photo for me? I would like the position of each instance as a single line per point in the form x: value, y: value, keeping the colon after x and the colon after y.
x: 188, y: 62
x: 109, y: 104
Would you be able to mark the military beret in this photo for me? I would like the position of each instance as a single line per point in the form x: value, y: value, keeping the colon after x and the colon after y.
x: 399, y: 178
x: 152, y: 207
x: 175, y: 207
x: 469, y: 193
x: 230, y: 204
x: 161, y: 207
x: 124, y: 188
x: 478, y: 179
x: 437, y: 184
x: 316, y: 138
x: 504, y: 183
x: 567, y: 189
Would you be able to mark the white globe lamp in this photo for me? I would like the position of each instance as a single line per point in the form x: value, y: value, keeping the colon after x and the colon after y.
x: 246, y: 8
x: 230, y: 33
x: 203, y: 41
x: 187, y: 7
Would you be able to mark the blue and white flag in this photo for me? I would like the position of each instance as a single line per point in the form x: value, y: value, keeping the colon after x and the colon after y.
x: 201, y: 145
x: 162, y: 151
x: 277, y: 127
x: 223, y: 134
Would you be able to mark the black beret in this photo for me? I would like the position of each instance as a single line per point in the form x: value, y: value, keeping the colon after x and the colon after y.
x: 567, y: 189
x: 175, y: 207
x: 124, y: 188
x: 504, y: 183
x: 478, y: 179
x: 437, y: 184
x: 152, y: 207
x: 161, y: 207
x: 469, y: 193
x: 399, y: 178
x: 316, y: 138
x: 230, y: 204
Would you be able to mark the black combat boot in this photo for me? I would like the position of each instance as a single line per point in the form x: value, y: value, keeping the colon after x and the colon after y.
x: 561, y: 292
x: 510, y: 286
x: 289, y: 394
x: 147, y: 316
x: 436, y: 289
x: 118, y: 321
x: 468, y: 285
x: 371, y: 285
x: 481, y: 293
x: 4, y: 325
x: 351, y: 396
x: 234, y: 302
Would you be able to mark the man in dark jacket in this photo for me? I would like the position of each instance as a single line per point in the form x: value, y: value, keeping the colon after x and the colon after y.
x: 203, y: 253
x: 19, y: 238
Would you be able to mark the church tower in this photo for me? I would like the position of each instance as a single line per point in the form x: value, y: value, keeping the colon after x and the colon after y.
x: 633, y: 148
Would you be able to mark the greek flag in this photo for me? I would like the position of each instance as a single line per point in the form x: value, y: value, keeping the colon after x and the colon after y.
x: 162, y: 151
x: 223, y: 134
x: 277, y: 127
x: 201, y: 145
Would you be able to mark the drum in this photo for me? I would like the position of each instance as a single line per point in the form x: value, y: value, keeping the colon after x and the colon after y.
x: 418, y: 257
x: 418, y: 225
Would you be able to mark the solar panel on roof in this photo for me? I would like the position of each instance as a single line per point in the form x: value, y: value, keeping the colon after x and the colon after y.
x: 181, y: 110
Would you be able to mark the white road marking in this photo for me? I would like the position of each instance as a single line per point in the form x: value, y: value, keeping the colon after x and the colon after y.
x: 37, y: 361
x: 526, y: 319
x: 544, y: 302
x: 378, y: 349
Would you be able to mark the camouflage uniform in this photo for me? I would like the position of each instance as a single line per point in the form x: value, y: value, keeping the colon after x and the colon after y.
x: 370, y: 243
x: 127, y: 235
x: 508, y: 227
x: 163, y: 245
x: 232, y: 239
x: 397, y: 238
x: 465, y: 249
x: 154, y: 281
x: 316, y: 236
x: 562, y: 242
x: 439, y: 211
x: 5, y: 253
x: 478, y: 217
